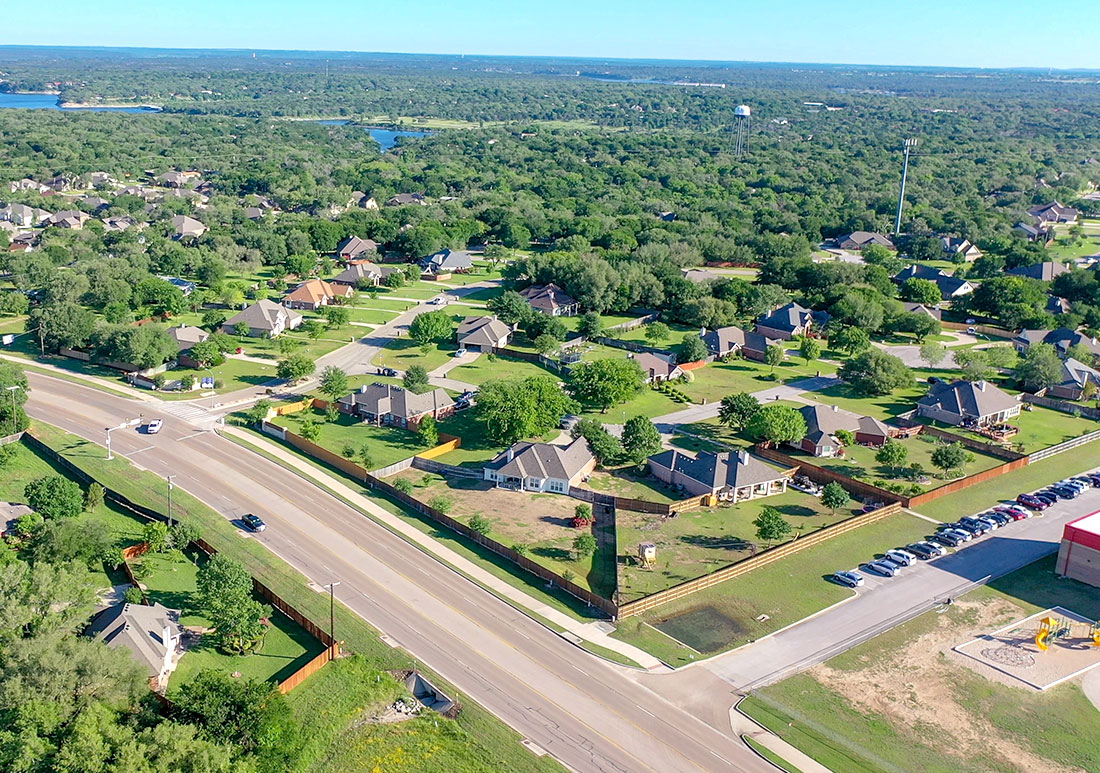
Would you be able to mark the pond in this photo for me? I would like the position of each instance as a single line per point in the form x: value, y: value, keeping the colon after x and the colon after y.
x: 386, y: 138
x: 50, y: 102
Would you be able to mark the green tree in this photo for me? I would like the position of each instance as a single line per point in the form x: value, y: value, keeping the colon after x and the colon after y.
x: 777, y: 424
x: 640, y: 439
x: 224, y: 594
x: 313, y: 328
x: 44, y: 600
x: 14, y: 390
x: 246, y: 713
x: 849, y: 339
x: 771, y: 526
x: 951, y: 457
x: 1040, y: 367
x: 656, y: 332
x: 338, y: 317
x: 691, y: 349
x: 545, y: 343
x: 156, y: 535
x: 394, y: 279
x: 833, y: 496
x: 60, y: 325
x: 810, y: 349
x: 428, y: 431
x: 310, y: 429
x: 258, y: 412
x: 515, y: 409
x: 932, y: 353
x: 54, y: 496
x: 511, y: 308
x: 604, y: 383
x: 334, y: 382
x: 93, y: 497
x: 295, y: 367
x: 481, y: 524
x: 874, y: 372
x: 416, y: 378
x: 737, y: 409
x: 607, y: 448
x: 923, y: 291
x: 591, y: 325
x: 242, y: 330
x: 774, y: 355
x: 893, y: 454
x: 974, y: 364
x: 206, y: 354
x: 584, y: 545
x: 431, y: 327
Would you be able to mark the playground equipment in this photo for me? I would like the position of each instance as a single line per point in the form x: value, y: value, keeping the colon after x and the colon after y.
x: 1051, y: 629
x: 647, y: 553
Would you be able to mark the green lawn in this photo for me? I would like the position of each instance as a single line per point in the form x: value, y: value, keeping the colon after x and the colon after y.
x: 387, y: 444
x: 719, y: 379
x: 696, y: 542
x: 400, y: 353
x: 476, y: 449
x: 491, y: 740
x: 1005, y: 487
x: 882, y: 407
x: 626, y: 482
x: 786, y: 590
x: 483, y: 369
x: 372, y: 316
x: 637, y: 335
x: 363, y: 301
x: 1056, y: 725
x: 1043, y: 427
x: 483, y: 294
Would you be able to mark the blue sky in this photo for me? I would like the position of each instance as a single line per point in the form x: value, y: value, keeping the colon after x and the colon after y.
x: 979, y: 33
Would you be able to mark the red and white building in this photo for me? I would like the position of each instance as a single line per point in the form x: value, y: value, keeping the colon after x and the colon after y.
x: 1079, y: 555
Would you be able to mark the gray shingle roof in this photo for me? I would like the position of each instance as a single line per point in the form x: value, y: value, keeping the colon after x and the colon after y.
x: 448, y: 260
x: 356, y: 271
x: 482, y: 331
x: 547, y: 297
x: 722, y: 339
x: 973, y: 399
x: 1045, y: 272
x: 187, y: 336
x: 543, y: 460
x: 262, y: 314
x: 383, y: 399
x: 734, y: 469
x: 139, y: 629
x: 791, y: 317
x: 353, y: 246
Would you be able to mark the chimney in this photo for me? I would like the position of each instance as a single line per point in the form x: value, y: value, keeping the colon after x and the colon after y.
x: 363, y: 389
x: 981, y: 386
x: 511, y: 453
x: 166, y: 638
x: 743, y: 456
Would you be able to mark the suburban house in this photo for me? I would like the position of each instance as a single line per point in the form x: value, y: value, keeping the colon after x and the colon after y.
x: 182, y: 225
x: 152, y: 634
x: 1033, y: 233
x: 734, y: 476
x: 254, y: 213
x: 824, y: 421
x: 953, y: 287
x: 530, y: 466
x: 27, y: 184
x: 186, y: 287
x: 315, y: 293
x: 119, y: 223
x: 549, y: 299
x: 360, y: 199
x: 388, y: 404
x: 69, y: 218
x: 919, y: 308
x: 790, y: 321
x: 185, y: 337
x: 353, y: 248
x: 1053, y: 212
x: 19, y: 214
x: 968, y: 403
x: 1076, y: 377
x: 404, y: 199
x: 172, y: 179
x: 1044, y: 272
x: 358, y: 272
x: 483, y: 334
x: 448, y: 262
x: 96, y: 203
x: 725, y: 341
x: 264, y: 318
x: 656, y: 368
x: 857, y: 240
x: 1063, y: 339
x: 700, y: 275
x: 1057, y: 306
x: 918, y: 271
x: 955, y: 246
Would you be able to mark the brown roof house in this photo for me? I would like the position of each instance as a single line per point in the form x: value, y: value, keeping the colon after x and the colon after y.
x: 388, y: 404
x: 956, y: 246
x: 265, y: 319
x: 359, y: 272
x: 656, y: 368
x: 184, y: 226
x: 549, y: 299
x: 1053, y: 212
x: 824, y: 421
x: 185, y: 337
x: 857, y: 240
x: 315, y: 293
x: 151, y: 634
x: 733, y: 475
x: 968, y: 404
x: 541, y: 466
x: 790, y: 321
x: 724, y: 341
x: 483, y: 334
x: 1044, y: 272
x: 353, y: 248
x: 69, y: 218
x: 404, y: 199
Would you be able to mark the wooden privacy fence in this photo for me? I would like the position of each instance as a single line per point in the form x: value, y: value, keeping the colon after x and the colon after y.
x: 1066, y: 446
x: 1063, y: 406
x: 822, y: 475
x: 986, y: 330
x: 648, y: 603
x: 967, y: 482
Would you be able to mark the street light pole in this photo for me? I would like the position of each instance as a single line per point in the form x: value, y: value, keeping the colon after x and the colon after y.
x: 169, y: 479
x: 332, y: 612
x: 123, y: 425
x: 14, y: 423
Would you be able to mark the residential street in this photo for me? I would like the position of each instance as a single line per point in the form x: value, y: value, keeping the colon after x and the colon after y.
x: 591, y: 715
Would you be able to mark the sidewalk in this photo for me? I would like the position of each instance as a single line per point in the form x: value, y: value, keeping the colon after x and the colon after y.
x: 744, y: 726
x: 501, y: 588
x: 114, y: 386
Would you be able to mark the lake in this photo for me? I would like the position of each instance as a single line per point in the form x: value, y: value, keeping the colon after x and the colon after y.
x: 387, y: 138
x: 49, y: 102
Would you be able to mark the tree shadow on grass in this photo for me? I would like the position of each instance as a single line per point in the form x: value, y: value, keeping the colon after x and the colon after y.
x: 717, y: 542
x: 797, y: 510
x: 554, y: 554
x: 563, y: 522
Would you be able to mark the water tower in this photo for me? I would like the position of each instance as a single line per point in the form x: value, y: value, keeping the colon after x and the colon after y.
x: 742, y: 116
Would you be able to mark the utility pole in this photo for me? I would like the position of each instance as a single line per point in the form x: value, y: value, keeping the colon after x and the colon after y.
x: 332, y: 612
x: 909, y: 145
x: 14, y: 421
x: 169, y: 479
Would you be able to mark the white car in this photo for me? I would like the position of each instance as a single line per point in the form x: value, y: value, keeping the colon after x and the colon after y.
x: 459, y: 353
x: 154, y: 426
x: 901, y: 557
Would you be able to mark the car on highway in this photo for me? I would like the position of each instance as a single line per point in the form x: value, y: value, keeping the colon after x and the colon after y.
x: 882, y: 567
x: 947, y: 538
x: 926, y: 550
x: 1032, y: 502
x: 902, y: 557
x: 154, y: 426
x: 253, y: 522
x: 387, y: 372
x: 849, y: 578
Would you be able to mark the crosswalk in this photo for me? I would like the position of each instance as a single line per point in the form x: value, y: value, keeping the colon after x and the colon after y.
x: 185, y: 411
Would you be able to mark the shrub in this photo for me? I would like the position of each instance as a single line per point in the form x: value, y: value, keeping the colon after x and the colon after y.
x: 93, y: 497
x: 481, y: 524
x: 348, y: 451
x: 404, y: 485
x: 442, y: 503
x: 133, y: 595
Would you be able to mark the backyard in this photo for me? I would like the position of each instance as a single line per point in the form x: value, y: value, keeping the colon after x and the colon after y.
x: 386, y: 443
x: 850, y: 714
x: 400, y: 353
x: 696, y: 542
x: 487, y: 367
x: 719, y: 379
x: 539, y: 522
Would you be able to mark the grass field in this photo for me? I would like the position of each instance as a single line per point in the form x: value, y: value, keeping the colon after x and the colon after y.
x: 696, y: 542
x: 476, y: 449
x: 1043, y: 427
x: 948, y: 717
x: 483, y: 369
x: 786, y: 590
x: 401, y: 353
x: 490, y: 739
x: 637, y: 335
x: 719, y: 379
x: 387, y: 444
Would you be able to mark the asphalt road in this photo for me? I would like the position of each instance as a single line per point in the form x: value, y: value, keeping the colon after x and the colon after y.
x: 885, y: 602
x: 589, y: 714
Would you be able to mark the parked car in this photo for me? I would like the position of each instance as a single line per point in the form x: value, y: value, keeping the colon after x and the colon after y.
x: 1051, y: 494
x: 926, y: 549
x: 994, y: 523
x: 902, y: 557
x: 975, y: 526
x: 946, y: 538
x: 461, y: 405
x: 1066, y: 492
x: 387, y: 372
x: 884, y: 568
x: 154, y: 426
x: 1046, y: 496
x: 1076, y: 485
x: 1001, y: 519
x: 1032, y: 502
x: 253, y: 522
x: 805, y: 485
x: 459, y: 353
x: 569, y: 420
x: 1089, y: 479
x: 1015, y: 512
x: 954, y: 528
x: 849, y: 578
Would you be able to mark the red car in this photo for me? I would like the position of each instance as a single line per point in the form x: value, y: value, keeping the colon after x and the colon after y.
x: 1033, y: 503
x: 1014, y: 514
